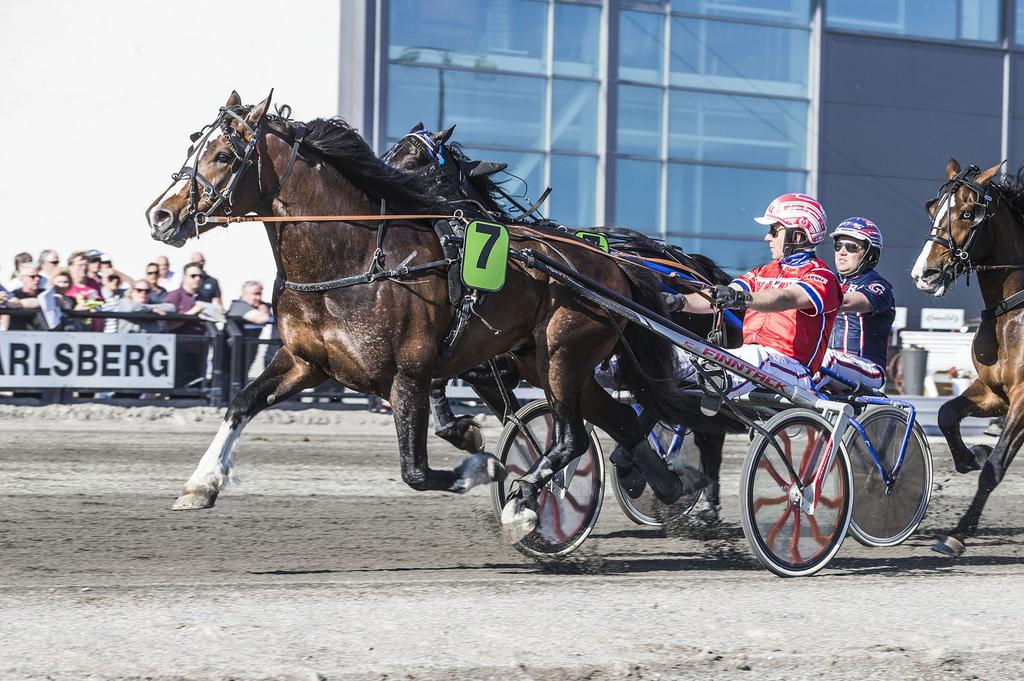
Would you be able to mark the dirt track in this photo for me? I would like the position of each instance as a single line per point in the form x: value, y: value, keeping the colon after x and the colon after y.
x: 323, y: 565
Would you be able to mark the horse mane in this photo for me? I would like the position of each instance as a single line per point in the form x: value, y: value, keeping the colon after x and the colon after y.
x: 1011, y: 188
x: 345, y: 150
x: 488, y: 188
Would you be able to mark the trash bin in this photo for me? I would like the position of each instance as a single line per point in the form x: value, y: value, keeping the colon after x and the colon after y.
x: 915, y: 363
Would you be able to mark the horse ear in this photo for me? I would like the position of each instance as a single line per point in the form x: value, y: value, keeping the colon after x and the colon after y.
x: 442, y: 137
x: 987, y: 176
x: 259, y: 111
x: 417, y: 128
x: 952, y: 168
x: 233, y: 100
x: 486, y: 168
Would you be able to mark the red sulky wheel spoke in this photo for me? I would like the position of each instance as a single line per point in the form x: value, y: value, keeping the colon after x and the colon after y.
x: 770, y: 537
x: 761, y: 502
x: 807, y: 456
x: 588, y: 467
x: 816, y: 532
x: 769, y: 468
x: 575, y: 504
x: 830, y: 502
x: 794, y: 542
x: 515, y: 470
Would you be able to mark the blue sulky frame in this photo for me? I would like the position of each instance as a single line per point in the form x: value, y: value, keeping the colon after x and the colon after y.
x: 888, y: 477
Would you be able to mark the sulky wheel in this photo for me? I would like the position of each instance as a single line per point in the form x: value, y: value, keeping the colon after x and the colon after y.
x: 785, y: 539
x: 884, y: 517
x: 569, y: 505
x: 670, y: 444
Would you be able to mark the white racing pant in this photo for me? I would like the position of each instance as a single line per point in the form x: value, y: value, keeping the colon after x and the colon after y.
x: 768, y: 360
x: 852, y: 368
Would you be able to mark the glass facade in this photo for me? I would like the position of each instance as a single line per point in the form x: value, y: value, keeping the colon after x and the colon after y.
x: 520, y: 79
x: 681, y: 118
x: 699, y: 98
x: 710, y: 124
x: 976, y: 20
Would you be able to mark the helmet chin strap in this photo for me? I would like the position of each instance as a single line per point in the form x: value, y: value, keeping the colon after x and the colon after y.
x: 789, y: 246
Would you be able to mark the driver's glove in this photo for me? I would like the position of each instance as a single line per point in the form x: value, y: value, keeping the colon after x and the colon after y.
x: 728, y: 298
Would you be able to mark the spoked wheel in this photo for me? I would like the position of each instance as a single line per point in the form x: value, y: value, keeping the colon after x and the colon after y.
x: 569, y: 505
x: 670, y: 444
x: 881, y: 517
x: 785, y: 539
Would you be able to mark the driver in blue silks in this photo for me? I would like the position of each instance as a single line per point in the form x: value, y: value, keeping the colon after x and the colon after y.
x: 860, y: 337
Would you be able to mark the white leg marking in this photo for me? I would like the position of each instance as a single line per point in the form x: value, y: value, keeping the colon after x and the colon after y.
x: 215, y: 469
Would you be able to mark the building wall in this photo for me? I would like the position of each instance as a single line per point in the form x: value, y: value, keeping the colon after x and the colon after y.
x: 892, y: 113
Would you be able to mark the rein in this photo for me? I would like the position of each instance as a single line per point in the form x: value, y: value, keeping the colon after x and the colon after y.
x: 228, y: 219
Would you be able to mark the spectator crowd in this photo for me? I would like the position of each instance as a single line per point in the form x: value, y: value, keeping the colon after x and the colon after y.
x: 89, y: 281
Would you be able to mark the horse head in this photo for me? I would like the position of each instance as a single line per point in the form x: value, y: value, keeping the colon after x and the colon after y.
x: 453, y: 174
x: 214, y: 178
x: 958, y: 212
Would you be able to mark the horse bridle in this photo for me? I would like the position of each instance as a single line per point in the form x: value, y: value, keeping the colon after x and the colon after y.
x: 959, y: 261
x: 245, y: 155
x: 424, y: 141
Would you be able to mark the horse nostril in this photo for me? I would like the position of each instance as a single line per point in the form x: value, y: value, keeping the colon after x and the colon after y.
x: 930, y: 274
x: 160, y: 218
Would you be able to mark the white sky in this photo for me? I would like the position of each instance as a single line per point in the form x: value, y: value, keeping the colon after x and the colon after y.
x: 97, y: 100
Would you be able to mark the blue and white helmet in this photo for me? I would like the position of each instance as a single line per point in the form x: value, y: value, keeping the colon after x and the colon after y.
x: 861, y: 229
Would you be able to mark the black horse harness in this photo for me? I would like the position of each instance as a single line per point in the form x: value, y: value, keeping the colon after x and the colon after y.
x: 244, y: 153
x: 984, y: 206
x: 959, y: 261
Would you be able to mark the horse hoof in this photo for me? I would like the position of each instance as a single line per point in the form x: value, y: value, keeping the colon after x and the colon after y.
x: 950, y: 546
x: 693, y: 480
x: 473, y: 438
x: 981, y: 454
x: 517, y: 520
x: 194, y: 501
x: 477, y: 469
x: 464, y: 434
x: 632, y: 480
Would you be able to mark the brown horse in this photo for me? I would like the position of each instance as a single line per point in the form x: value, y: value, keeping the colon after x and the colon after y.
x: 384, y: 335
x: 978, y: 225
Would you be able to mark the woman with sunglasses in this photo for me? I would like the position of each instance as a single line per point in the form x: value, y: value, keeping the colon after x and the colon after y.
x: 860, y: 337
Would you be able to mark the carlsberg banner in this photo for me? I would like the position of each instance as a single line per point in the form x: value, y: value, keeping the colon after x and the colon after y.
x: 40, y: 359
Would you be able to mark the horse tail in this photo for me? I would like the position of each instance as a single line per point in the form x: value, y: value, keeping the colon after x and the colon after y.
x: 648, y: 367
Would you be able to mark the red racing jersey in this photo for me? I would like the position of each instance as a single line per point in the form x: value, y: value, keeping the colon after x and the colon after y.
x: 801, y: 334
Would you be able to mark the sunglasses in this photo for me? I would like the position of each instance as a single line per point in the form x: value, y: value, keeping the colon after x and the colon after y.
x: 194, y: 276
x: 140, y: 290
x: 775, y: 229
x: 53, y: 262
x: 152, y: 271
x: 33, y: 276
x: 848, y: 246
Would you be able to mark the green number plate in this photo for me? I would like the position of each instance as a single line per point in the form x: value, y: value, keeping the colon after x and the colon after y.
x: 485, y: 260
x: 599, y: 240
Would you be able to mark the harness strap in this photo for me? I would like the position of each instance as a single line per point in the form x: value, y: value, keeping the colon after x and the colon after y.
x: 1016, y: 300
x: 400, y: 272
x: 630, y: 260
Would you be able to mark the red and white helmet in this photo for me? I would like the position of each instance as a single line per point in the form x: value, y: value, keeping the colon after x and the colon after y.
x: 798, y: 211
